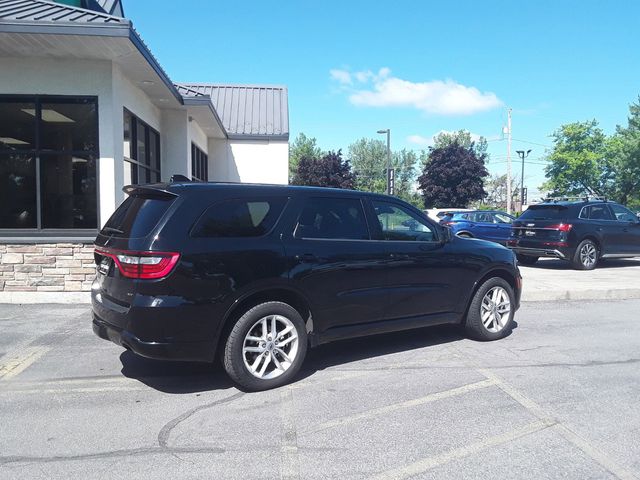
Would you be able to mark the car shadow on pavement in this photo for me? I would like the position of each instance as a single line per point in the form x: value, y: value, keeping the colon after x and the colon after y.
x: 174, y: 377
x: 193, y: 377
x: 553, y: 264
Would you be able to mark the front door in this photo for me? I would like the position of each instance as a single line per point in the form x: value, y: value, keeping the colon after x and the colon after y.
x: 336, y: 264
x: 629, y: 227
x: 422, y: 276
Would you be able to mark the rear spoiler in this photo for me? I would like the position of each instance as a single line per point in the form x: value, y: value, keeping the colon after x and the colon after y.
x: 158, y: 190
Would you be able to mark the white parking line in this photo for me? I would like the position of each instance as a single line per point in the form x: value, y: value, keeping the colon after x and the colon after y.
x: 432, y: 397
x: 562, y: 429
x: 14, y: 364
x: 425, y: 464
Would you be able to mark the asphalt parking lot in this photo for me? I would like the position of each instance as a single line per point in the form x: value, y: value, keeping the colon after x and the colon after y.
x: 556, y: 399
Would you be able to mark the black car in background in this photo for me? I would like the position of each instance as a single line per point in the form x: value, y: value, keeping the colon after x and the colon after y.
x: 257, y: 273
x: 581, y: 232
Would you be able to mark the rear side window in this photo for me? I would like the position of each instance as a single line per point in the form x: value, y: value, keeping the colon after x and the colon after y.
x: 544, y: 212
x: 137, y: 216
x: 333, y: 218
x: 239, y: 218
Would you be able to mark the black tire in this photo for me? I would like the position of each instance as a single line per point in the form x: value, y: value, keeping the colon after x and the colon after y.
x: 586, y: 255
x: 526, y: 259
x: 234, y: 362
x: 474, y: 326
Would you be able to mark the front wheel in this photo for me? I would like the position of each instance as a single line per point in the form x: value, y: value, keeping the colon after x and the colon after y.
x: 585, y: 256
x: 266, y: 346
x: 490, y: 314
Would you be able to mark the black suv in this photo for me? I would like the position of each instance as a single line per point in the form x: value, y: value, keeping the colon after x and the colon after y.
x: 581, y: 232
x: 257, y: 273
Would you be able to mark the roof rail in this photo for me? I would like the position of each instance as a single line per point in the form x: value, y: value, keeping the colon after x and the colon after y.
x: 583, y: 198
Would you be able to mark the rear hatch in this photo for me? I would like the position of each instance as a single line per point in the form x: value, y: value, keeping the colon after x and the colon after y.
x: 122, y: 253
x: 541, y: 226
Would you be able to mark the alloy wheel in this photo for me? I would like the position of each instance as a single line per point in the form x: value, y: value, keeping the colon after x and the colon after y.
x: 495, y: 309
x: 270, y: 347
x: 588, y: 255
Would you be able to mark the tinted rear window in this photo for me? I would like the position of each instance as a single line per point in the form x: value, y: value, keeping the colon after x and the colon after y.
x: 137, y: 216
x: 546, y: 212
x: 239, y: 218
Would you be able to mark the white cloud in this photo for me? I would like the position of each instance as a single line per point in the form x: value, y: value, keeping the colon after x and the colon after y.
x: 437, y: 96
x: 428, y: 141
x: 341, y: 76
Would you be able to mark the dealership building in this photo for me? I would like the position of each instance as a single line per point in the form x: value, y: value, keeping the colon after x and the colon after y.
x: 85, y: 109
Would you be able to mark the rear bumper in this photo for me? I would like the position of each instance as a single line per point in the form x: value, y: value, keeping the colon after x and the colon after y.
x: 192, y: 351
x: 542, y: 252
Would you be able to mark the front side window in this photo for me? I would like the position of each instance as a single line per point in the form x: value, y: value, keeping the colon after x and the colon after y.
x: 400, y: 224
x: 622, y: 214
x: 141, y: 151
x: 502, y: 218
x: 239, y: 218
x: 332, y: 218
x: 48, y: 155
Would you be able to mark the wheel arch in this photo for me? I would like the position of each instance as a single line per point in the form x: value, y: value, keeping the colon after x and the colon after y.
x: 276, y: 294
x: 465, y: 233
x: 499, y: 272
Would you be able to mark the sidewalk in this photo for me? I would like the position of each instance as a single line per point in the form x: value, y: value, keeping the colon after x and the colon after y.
x: 550, y: 280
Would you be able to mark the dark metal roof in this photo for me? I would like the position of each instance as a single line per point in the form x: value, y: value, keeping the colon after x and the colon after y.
x: 246, y: 111
x: 46, y: 11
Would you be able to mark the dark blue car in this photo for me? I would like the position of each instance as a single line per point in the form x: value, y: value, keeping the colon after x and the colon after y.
x: 485, y: 224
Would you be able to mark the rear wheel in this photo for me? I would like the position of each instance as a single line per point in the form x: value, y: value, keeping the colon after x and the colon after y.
x: 490, y: 314
x: 526, y: 259
x: 586, y: 255
x: 266, y: 346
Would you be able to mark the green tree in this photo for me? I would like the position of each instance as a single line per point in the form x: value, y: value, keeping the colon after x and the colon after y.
x: 495, y: 187
x: 369, y: 160
x: 623, y: 152
x: 579, y: 163
x: 453, y: 176
x: 462, y: 138
x: 302, y: 146
x: 330, y: 170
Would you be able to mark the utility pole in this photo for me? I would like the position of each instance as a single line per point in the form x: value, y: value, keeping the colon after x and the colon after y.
x: 522, y: 155
x: 509, y: 161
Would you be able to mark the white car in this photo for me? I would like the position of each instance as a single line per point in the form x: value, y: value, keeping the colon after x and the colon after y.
x: 436, y: 214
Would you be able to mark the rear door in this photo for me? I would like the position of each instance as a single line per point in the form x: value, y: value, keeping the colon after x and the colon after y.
x: 337, y: 265
x: 485, y: 227
x: 629, y: 229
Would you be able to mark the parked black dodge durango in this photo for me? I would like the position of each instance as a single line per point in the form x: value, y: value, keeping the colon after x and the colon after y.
x: 256, y: 273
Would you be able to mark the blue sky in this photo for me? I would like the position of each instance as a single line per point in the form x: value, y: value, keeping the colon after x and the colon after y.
x: 416, y: 67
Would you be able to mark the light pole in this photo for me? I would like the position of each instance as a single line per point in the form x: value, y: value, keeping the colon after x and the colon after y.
x: 522, y: 155
x: 388, y: 132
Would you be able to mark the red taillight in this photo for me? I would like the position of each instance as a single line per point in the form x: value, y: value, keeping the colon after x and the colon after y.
x: 143, y: 265
x: 561, y: 227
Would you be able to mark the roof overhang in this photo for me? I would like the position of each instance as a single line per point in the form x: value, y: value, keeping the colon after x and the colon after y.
x: 201, y: 109
x: 117, y: 42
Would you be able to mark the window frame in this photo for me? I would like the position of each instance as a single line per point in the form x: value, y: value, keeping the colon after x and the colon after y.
x: 39, y: 234
x: 133, y: 148
x: 199, y: 161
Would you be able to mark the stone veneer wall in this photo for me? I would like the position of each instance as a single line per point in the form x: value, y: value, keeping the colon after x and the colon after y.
x: 55, y: 267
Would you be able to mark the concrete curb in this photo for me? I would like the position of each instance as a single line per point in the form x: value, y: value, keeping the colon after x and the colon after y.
x: 586, y: 294
x: 45, y: 297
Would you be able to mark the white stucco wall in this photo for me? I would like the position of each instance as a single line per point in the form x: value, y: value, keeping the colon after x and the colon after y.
x: 249, y: 161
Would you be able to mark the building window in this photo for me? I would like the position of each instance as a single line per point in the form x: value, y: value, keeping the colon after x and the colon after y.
x: 199, y: 164
x: 48, y: 154
x: 141, y: 151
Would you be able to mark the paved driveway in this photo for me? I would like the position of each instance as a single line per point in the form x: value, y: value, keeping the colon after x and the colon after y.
x: 557, y: 398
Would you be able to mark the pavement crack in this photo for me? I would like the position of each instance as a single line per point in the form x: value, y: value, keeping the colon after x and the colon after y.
x: 165, y: 431
x: 108, y: 454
